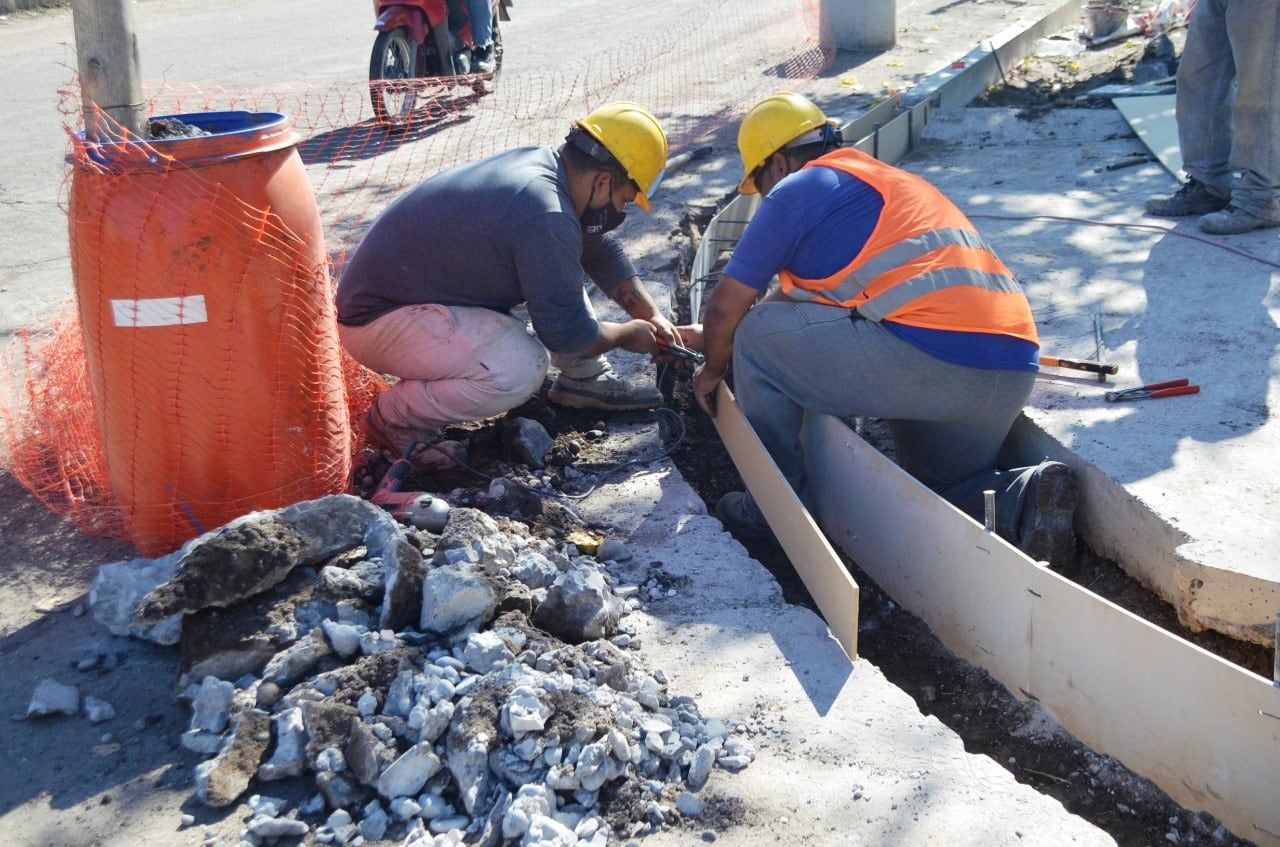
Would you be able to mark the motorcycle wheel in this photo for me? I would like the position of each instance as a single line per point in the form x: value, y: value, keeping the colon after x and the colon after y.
x: 392, y: 68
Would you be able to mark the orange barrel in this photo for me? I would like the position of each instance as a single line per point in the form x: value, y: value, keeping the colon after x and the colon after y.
x: 210, y: 336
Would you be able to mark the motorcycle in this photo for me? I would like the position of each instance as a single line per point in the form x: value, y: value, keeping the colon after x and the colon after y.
x: 420, y: 39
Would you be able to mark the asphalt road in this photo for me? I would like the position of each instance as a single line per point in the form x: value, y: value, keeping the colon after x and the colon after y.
x: 232, y: 41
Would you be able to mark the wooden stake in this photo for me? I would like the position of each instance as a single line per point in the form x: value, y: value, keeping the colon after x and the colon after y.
x: 110, y: 79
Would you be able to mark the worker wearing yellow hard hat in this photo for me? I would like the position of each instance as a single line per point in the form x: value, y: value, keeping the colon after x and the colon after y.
x: 632, y: 137
x: 889, y: 304
x: 776, y: 123
x: 427, y: 295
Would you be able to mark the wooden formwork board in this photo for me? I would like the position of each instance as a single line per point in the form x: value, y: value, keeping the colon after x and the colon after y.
x: 813, y: 557
x: 1204, y: 730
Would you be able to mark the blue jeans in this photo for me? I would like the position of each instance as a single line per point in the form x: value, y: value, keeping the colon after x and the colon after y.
x: 1221, y: 131
x: 481, y: 22
x: 948, y: 421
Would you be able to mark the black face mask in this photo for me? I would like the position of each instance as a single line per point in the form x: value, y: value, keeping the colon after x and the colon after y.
x: 600, y: 221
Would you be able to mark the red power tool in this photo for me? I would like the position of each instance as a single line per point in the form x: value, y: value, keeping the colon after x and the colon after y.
x: 413, y: 507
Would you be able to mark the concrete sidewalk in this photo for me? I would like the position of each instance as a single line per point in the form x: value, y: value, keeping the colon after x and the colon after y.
x: 1175, y: 489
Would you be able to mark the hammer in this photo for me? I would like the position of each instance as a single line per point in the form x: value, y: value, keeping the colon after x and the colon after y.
x: 1079, y: 365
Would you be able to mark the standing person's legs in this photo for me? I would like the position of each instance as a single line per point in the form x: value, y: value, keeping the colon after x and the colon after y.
x: 454, y: 365
x: 1252, y: 28
x: 1203, y: 101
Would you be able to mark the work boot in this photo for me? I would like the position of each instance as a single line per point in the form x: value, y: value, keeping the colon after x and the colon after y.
x: 1232, y: 221
x: 606, y: 390
x: 741, y: 516
x: 482, y: 60
x: 1045, y: 530
x: 429, y: 453
x: 1193, y: 198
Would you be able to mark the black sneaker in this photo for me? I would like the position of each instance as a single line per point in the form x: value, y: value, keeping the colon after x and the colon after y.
x: 1193, y: 198
x: 482, y: 60
x: 1045, y: 530
x: 741, y: 516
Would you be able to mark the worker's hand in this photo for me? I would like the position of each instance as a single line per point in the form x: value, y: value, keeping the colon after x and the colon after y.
x: 664, y: 329
x: 705, y: 384
x: 637, y: 336
x: 691, y: 336
x: 677, y: 354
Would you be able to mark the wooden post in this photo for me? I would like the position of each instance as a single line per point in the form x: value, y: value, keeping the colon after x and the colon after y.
x: 857, y: 24
x: 110, y: 79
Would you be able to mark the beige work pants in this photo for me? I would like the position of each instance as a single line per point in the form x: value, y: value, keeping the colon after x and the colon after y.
x: 454, y: 364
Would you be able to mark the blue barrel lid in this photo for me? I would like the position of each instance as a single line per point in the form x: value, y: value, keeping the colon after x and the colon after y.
x: 223, y: 136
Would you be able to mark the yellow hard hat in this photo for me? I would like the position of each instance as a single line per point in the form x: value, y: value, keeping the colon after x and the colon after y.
x: 633, y: 136
x: 772, y: 124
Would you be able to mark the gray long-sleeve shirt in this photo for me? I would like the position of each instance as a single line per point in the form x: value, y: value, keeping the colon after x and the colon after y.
x: 495, y: 233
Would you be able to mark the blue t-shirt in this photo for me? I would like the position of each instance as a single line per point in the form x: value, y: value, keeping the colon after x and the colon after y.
x: 813, y: 223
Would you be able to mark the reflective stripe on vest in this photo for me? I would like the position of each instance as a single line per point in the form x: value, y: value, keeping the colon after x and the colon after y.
x: 942, y: 277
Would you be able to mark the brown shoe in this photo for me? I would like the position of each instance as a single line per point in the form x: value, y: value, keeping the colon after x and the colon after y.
x: 425, y: 451
x: 742, y: 517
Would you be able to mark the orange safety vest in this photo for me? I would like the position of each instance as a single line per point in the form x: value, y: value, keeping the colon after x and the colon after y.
x: 924, y: 264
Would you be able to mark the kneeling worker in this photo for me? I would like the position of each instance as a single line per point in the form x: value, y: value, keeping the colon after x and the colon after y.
x: 891, y: 306
x: 427, y: 295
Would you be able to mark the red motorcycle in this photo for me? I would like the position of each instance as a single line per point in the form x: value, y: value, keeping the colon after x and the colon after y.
x: 425, y: 38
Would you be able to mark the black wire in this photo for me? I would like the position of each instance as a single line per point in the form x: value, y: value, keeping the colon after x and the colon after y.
x: 608, y: 472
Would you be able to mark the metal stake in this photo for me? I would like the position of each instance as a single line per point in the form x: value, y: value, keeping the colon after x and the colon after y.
x: 989, y: 521
x: 1098, y: 343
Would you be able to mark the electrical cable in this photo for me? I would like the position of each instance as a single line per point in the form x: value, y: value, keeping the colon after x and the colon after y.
x: 1122, y: 225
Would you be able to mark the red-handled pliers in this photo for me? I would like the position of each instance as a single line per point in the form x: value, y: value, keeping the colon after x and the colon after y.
x: 1170, y: 388
x: 680, y: 352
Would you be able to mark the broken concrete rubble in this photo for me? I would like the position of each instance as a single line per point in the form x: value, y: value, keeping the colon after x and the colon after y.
x: 502, y: 708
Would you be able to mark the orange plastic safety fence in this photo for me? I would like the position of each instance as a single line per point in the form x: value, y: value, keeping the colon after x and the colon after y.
x: 197, y: 376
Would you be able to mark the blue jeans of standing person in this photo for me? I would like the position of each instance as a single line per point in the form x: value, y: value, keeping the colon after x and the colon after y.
x: 948, y: 422
x: 1221, y: 131
x: 481, y: 23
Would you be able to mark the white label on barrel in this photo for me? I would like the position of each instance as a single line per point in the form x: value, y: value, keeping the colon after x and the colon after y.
x: 160, y: 311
